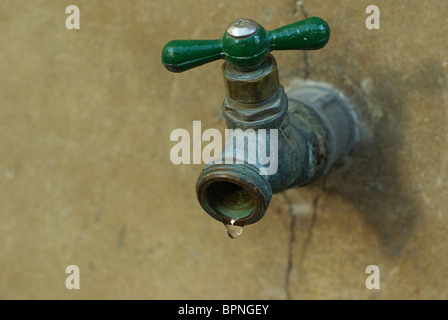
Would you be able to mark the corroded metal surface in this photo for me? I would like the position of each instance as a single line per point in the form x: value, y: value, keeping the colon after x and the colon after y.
x: 318, y: 129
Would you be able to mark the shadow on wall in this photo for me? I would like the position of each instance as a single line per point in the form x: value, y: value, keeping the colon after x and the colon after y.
x: 371, y: 178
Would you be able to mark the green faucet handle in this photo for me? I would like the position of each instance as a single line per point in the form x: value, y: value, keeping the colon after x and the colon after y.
x: 246, y: 44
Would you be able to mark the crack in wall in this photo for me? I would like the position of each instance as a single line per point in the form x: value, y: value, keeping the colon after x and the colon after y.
x: 292, y: 238
x: 311, y: 227
x: 299, y: 8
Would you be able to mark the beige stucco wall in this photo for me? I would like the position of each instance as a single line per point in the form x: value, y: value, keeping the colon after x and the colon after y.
x: 86, y: 178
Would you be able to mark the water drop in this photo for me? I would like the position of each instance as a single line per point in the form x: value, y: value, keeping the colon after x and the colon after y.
x: 233, y: 231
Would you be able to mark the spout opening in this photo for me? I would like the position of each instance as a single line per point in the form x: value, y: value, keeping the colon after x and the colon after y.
x: 230, y: 199
x: 233, y: 194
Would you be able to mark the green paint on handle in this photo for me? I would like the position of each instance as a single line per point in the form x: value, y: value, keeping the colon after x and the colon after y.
x: 309, y: 34
x: 181, y: 55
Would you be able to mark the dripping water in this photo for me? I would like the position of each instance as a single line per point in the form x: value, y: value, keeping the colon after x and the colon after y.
x: 233, y: 231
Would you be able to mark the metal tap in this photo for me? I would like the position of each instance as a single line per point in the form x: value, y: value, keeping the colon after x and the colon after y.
x: 313, y: 126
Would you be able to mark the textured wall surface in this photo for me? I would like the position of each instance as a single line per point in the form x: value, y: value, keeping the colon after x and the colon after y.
x: 86, y: 178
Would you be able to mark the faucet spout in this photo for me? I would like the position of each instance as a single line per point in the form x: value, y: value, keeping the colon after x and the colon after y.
x: 233, y: 194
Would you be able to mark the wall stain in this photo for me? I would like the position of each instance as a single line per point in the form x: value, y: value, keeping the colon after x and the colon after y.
x: 372, y: 181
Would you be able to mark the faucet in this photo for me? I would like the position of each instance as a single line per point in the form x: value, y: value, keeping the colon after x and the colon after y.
x: 300, y: 135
